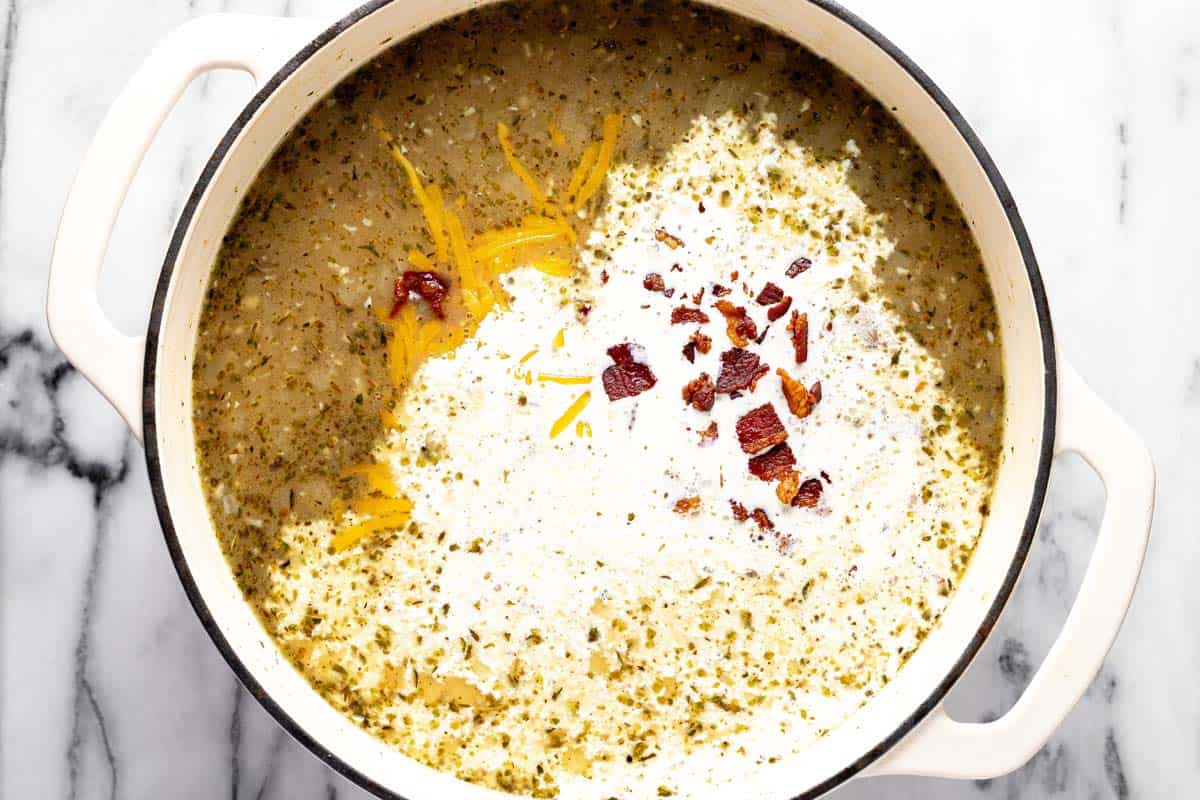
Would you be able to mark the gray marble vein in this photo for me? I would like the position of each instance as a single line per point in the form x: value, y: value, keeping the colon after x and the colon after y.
x: 109, y: 687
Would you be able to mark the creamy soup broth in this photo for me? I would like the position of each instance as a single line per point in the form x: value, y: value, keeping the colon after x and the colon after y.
x: 586, y: 390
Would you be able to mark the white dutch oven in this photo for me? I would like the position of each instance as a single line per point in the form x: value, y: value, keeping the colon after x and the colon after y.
x: 903, y: 730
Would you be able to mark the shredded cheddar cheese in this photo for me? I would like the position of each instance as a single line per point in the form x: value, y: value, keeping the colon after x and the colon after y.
x: 559, y: 338
x: 477, y: 263
x: 583, y: 430
x: 556, y: 135
x: 608, y: 146
x: 517, y: 167
x: 570, y: 414
x: 566, y: 380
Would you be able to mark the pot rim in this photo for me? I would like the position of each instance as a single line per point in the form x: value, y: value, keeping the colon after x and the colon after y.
x: 1045, y: 451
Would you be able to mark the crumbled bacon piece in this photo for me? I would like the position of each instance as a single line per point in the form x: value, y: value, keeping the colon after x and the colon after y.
x: 799, y: 330
x: 800, y: 400
x: 687, y: 505
x: 824, y: 474
x: 676, y: 268
x: 760, y: 517
x: 739, y: 511
x: 733, y: 276
x: 770, y: 295
x: 673, y: 242
x: 709, y: 434
x: 720, y: 291
x: 779, y: 309
x: 787, y: 487
x: 809, y: 494
x: 775, y: 463
x: 685, y: 314
x: 603, y: 276
x: 697, y: 341
x: 653, y: 282
x: 738, y: 325
x: 740, y: 369
x: 583, y: 309
x: 760, y: 428
x: 429, y: 286
x: 698, y: 296
x: 799, y: 265
x: 626, y: 377
x: 700, y: 393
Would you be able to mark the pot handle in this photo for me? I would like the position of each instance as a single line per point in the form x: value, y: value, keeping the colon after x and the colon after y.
x: 940, y: 746
x: 111, y: 360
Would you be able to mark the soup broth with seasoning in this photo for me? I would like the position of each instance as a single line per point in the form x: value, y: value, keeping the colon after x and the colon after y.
x: 583, y: 390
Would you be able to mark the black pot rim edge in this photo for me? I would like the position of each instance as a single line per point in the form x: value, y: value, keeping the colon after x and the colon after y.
x: 1045, y: 455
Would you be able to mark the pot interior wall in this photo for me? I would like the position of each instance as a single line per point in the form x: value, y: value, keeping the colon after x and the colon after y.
x: 199, y: 556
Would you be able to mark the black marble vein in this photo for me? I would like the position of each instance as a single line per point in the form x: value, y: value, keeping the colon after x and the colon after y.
x: 32, y: 429
x: 1113, y: 771
x: 235, y: 741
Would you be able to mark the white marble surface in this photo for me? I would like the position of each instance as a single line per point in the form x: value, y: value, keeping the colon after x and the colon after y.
x: 110, y: 688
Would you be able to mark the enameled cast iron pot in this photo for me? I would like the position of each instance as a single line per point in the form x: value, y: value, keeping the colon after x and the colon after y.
x: 1049, y: 409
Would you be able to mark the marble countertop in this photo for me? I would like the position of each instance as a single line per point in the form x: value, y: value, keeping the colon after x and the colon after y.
x: 109, y: 688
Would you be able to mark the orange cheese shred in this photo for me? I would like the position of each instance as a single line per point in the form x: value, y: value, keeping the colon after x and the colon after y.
x: 431, y: 207
x: 573, y: 411
x: 539, y: 197
x: 565, y: 380
x: 608, y: 146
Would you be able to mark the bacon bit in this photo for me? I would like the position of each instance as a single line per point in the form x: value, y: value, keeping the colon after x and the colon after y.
x: 779, y: 309
x: 698, y: 296
x: 583, y: 309
x: 740, y: 369
x: 801, y: 264
x: 687, y: 505
x: 685, y: 314
x: 733, y: 276
x: 429, y: 286
x: 709, y: 434
x: 739, y: 511
x: 788, y: 486
x: 763, y: 521
x: 762, y: 335
x: 699, y: 393
x: 770, y: 295
x: 800, y: 400
x: 775, y: 463
x: 809, y: 494
x: 759, y: 429
x: 676, y: 268
x: 799, y: 330
x: 626, y: 377
x: 603, y: 276
x: 739, y: 327
x: 653, y: 282
x: 720, y: 291
x: 698, y: 341
x: 701, y: 207
x: 673, y: 242
x: 825, y: 475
